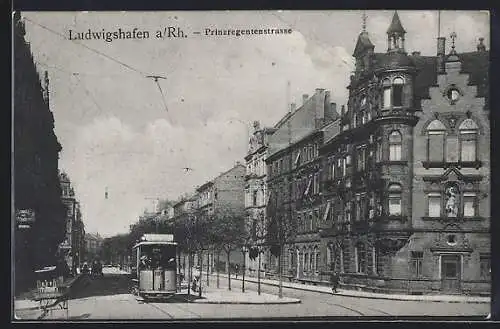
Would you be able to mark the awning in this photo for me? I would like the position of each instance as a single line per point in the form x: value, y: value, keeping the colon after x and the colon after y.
x: 325, y: 215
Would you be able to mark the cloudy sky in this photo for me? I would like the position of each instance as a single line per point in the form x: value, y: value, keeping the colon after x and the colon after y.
x: 111, y: 119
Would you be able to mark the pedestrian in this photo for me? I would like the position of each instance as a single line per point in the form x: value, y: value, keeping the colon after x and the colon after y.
x: 236, y: 269
x: 334, y: 280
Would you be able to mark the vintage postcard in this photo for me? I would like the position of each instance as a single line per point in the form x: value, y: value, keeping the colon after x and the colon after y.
x: 251, y: 165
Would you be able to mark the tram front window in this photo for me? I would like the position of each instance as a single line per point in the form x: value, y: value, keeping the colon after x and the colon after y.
x: 157, y: 257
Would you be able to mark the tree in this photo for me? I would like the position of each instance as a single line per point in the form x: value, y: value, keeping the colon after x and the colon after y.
x: 228, y: 230
x: 281, y: 229
x: 259, y: 231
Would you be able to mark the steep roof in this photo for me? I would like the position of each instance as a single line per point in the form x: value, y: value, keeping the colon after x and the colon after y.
x: 362, y: 44
x: 396, y: 26
x: 477, y: 65
x: 474, y: 63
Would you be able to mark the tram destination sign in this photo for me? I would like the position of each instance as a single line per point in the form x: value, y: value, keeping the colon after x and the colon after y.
x: 25, y: 217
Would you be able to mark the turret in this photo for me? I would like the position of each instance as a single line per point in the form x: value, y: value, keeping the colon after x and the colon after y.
x: 396, y: 35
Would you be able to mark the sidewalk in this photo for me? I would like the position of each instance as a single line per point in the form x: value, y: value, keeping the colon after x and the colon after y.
x: 223, y: 296
x: 365, y: 294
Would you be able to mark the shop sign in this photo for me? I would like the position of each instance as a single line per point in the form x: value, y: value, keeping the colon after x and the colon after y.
x: 25, y: 217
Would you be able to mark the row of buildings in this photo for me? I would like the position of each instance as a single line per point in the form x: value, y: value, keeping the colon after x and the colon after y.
x: 391, y: 191
x: 222, y: 193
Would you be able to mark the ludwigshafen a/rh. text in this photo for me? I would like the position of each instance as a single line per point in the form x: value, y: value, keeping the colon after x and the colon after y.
x: 109, y: 36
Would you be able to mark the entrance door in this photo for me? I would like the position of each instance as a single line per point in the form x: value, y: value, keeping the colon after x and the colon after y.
x: 451, y: 273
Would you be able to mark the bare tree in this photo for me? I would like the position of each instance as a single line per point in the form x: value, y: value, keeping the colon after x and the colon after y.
x: 281, y: 230
x: 228, y: 228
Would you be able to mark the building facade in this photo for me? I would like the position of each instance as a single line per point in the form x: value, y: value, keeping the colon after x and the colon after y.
x: 73, y: 246
x: 93, y: 245
x: 35, y: 166
x: 409, y: 177
x: 256, y: 194
x: 294, y: 178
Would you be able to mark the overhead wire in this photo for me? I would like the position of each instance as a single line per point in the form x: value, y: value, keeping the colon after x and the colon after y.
x: 106, y: 56
x: 87, y: 47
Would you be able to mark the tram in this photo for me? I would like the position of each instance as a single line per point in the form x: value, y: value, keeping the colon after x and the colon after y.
x: 155, y: 266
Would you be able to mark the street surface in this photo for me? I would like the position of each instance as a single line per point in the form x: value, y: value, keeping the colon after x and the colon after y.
x: 109, y: 297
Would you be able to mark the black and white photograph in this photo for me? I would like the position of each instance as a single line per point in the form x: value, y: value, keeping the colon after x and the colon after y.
x: 250, y: 165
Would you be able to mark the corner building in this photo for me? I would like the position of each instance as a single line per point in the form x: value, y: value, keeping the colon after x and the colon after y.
x: 407, y: 177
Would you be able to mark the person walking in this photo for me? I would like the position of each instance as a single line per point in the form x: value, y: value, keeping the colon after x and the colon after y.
x: 236, y: 269
x: 334, y: 280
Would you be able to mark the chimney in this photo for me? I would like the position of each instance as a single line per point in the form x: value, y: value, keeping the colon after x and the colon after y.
x: 481, y: 46
x: 293, y: 106
x: 441, y: 54
x: 304, y: 98
x: 331, y: 112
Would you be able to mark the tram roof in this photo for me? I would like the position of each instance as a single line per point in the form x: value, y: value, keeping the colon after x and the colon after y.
x: 159, y: 239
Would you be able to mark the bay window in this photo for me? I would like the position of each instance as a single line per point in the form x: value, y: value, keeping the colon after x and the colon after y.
x: 397, y: 92
x: 395, y: 143
x: 395, y: 200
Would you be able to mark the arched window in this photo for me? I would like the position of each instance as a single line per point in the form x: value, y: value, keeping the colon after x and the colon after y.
x: 397, y: 92
x: 435, y: 141
x: 392, y: 92
x: 394, y: 199
x: 395, y: 142
x: 360, y: 257
x: 386, y: 96
x: 468, y: 140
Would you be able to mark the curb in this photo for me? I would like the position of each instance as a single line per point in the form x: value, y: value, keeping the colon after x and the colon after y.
x: 369, y: 297
x: 295, y: 301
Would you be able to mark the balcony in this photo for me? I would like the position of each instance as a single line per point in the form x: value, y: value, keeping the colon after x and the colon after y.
x: 458, y: 164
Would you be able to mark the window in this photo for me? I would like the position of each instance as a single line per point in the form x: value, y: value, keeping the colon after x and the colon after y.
x: 395, y: 199
x: 254, y: 197
x: 378, y: 151
x: 386, y: 93
x: 360, y: 255
x: 306, y: 261
x: 435, y: 141
x: 397, y: 92
x: 311, y: 226
x: 434, y: 204
x: 333, y: 169
x: 416, y: 262
x: 317, y: 261
x: 395, y: 141
x: 374, y: 260
x: 316, y: 184
x: 363, y: 101
x: 453, y: 95
x: 468, y: 140
x: 485, y: 266
x: 469, y: 204
x: 357, y: 206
